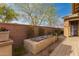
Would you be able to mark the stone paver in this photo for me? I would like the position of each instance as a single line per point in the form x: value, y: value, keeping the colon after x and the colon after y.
x: 69, y: 47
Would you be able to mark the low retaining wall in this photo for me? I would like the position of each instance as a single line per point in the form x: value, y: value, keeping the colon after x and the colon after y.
x: 6, y: 48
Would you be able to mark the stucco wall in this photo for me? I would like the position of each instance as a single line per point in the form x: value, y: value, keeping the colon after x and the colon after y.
x: 66, y: 28
x: 20, y: 32
x: 6, y: 48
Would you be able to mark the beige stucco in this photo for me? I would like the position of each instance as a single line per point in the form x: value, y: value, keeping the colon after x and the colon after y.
x: 78, y: 28
x: 4, y: 35
x: 6, y: 48
x: 66, y: 28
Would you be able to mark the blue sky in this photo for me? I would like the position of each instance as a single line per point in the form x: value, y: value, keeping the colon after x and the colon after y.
x: 63, y: 9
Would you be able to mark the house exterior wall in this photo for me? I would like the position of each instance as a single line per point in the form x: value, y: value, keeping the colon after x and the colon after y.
x: 78, y: 29
x: 66, y: 28
x: 75, y: 8
x: 73, y: 17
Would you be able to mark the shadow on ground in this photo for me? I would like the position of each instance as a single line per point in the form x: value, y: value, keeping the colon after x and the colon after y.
x: 62, y: 50
x: 59, y: 40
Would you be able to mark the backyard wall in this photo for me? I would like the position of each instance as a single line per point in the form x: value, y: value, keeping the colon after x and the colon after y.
x: 20, y: 32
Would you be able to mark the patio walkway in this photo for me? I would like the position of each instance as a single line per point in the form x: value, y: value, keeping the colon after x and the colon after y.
x: 69, y: 47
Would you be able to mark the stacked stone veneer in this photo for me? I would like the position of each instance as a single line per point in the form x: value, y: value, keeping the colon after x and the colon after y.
x: 35, y: 48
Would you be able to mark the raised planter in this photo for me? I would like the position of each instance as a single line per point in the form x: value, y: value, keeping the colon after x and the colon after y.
x: 35, y: 47
x: 4, y: 36
x: 5, y: 43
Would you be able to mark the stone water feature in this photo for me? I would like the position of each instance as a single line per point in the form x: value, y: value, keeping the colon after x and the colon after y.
x: 35, y: 45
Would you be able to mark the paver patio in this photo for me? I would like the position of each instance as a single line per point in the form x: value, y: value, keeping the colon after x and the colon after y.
x: 69, y: 47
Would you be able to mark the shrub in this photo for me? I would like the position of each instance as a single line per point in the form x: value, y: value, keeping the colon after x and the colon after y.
x: 3, y: 29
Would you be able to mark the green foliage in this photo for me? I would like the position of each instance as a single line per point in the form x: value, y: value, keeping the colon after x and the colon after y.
x: 7, y: 14
x: 57, y: 32
x: 3, y: 29
x: 19, y: 51
x: 50, y: 15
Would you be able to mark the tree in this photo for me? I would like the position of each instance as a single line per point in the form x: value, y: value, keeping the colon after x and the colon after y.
x: 51, y: 15
x: 7, y: 14
x: 36, y: 13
